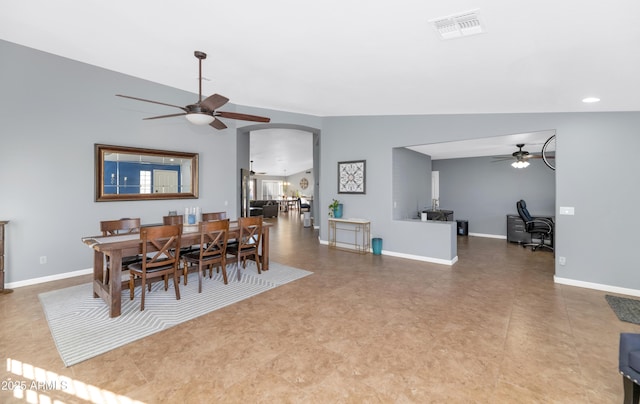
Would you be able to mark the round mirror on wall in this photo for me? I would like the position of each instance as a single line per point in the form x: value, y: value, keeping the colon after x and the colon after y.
x: 304, y: 183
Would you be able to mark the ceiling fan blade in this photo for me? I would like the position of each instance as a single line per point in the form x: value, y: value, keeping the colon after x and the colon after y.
x: 214, y: 102
x: 154, y: 102
x: 218, y: 124
x: 242, y: 117
x: 165, y: 116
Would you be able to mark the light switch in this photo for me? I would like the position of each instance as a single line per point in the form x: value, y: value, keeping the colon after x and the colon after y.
x: 567, y: 210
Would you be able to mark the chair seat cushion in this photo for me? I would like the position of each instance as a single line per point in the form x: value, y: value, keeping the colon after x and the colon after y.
x: 195, y: 257
x: 634, y: 360
x: 138, y: 267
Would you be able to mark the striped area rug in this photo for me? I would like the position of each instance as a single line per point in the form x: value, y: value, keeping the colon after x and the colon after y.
x: 81, y: 326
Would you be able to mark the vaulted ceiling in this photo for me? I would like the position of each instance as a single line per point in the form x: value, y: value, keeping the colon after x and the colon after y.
x: 346, y: 57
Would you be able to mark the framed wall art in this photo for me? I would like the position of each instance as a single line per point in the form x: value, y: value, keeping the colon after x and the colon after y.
x: 352, y: 177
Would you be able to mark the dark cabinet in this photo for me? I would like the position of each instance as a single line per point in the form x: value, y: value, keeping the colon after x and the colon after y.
x: 516, y: 232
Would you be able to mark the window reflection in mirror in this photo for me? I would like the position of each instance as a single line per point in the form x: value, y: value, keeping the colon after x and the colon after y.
x: 127, y: 173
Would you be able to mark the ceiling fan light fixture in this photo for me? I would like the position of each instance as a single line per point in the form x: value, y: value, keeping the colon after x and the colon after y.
x: 520, y: 164
x: 199, y: 118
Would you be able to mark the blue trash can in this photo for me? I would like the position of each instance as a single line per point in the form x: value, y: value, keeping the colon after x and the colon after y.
x: 376, y: 244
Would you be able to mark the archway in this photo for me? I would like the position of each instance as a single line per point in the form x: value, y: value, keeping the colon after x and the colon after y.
x: 244, y: 148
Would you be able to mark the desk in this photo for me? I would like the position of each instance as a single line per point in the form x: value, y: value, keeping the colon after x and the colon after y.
x: 516, y: 232
x: 361, y: 229
x: 125, y: 245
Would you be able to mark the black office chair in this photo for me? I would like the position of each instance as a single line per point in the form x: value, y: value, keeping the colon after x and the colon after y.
x: 536, y: 226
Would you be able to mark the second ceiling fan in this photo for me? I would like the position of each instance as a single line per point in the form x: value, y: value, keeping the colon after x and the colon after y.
x: 204, y: 111
x: 521, y: 157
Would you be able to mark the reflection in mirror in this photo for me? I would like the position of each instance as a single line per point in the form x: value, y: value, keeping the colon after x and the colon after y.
x: 128, y: 173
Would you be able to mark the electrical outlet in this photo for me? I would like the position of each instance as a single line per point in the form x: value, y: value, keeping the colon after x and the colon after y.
x: 43, y: 259
x: 562, y: 260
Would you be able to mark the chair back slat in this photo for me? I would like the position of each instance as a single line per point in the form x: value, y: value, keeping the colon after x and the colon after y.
x: 120, y: 226
x: 160, y: 245
x: 250, y: 231
x: 213, y: 238
x: 214, y: 216
x: 166, y: 220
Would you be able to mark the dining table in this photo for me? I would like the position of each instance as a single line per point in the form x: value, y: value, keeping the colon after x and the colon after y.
x: 130, y: 244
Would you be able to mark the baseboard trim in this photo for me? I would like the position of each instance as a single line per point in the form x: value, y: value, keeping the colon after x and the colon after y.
x: 421, y: 258
x: 403, y: 255
x: 597, y: 286
x: 56, y: 277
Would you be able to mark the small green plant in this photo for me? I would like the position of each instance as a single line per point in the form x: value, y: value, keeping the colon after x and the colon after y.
x: 334, y: 205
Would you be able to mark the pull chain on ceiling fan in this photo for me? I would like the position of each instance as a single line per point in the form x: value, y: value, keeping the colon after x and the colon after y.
x: 203, y: 112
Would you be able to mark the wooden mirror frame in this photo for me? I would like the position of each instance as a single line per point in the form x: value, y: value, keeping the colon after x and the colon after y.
x: 102, y: 194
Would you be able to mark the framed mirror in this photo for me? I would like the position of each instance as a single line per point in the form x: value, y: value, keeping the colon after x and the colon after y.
x: 131, y: 174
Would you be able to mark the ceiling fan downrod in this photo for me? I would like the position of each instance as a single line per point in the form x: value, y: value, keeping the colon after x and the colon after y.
x: 200, y: 56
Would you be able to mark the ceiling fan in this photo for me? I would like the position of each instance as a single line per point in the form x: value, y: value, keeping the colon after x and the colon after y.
x: 520, y: 157
x: 253, y: 172
x: 204, y: 111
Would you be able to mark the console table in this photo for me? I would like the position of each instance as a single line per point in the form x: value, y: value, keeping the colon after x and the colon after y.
x: 2, y: 289
x: 361, y: 229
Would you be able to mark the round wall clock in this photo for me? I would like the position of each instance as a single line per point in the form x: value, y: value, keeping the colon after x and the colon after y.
x: 304, y: 183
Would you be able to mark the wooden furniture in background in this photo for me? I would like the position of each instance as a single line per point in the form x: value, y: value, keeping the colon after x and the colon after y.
x: 214, y: 216
x: 120, y: 226
x: 164, y: 241
x: 176, y: 219
x: 248, y: 241
x: 212, y: 251
x: 3, y: 290
x: 129, y: 244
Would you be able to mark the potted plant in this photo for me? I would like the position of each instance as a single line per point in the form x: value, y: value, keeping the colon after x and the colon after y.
x: 335, y: 209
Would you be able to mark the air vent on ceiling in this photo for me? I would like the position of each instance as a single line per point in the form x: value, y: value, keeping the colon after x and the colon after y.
x: 458, y: 25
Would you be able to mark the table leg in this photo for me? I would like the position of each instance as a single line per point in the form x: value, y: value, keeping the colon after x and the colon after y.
x: 98, y: 270
x: 265, y: 249
x: 115, y: 283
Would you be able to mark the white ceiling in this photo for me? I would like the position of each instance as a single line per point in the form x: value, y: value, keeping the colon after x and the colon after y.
x: 281, y: 151
x: 489, y: 146
x: 347, y: 57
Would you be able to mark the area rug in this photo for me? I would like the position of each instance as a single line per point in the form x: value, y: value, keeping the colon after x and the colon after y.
x: 82, y: 329
x: 626, y: 309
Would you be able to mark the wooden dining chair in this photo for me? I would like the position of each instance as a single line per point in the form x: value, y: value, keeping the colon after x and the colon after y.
x: 161, y: 256
x: 179, y: 220
x: 173, y: 219
x: 116, y: 227
x: 213, y: 250
x: 214, y: 216
x: 248, y: 242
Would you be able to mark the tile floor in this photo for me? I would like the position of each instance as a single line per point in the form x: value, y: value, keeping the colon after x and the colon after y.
x: 493, y: 328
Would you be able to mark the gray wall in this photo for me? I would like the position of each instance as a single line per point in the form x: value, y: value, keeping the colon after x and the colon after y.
x: 483, y: 191
x: 53, y: 110
x: 411, y: 183
x: 593, y: 175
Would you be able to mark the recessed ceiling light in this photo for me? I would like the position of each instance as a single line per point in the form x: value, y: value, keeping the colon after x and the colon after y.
x: 590, y: 100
